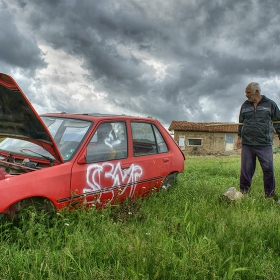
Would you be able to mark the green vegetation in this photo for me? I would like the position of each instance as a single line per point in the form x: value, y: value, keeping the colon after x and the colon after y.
x: 185, y: 233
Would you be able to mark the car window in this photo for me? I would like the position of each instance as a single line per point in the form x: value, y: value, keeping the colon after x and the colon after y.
x: 147, y: 139
x: 161, y: 144
x: 144, y: 142
x: 108, y: 142
x: 67, y: 133
x: 22, y: 147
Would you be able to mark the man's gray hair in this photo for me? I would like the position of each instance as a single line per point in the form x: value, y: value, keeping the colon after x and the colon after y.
x: 254, y: 87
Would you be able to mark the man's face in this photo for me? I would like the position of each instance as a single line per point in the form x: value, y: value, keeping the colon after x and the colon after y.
x: 251, y: 96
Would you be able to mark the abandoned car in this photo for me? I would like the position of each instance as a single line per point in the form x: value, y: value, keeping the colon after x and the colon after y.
x: 62, y: 160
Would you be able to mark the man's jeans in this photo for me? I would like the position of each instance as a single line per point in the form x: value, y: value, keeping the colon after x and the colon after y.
x: 249, y: 154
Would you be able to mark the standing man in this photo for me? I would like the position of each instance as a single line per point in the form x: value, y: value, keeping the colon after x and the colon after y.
x: 255, y: 136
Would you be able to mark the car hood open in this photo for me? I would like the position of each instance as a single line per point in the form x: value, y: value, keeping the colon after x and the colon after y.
x: 18, y: 118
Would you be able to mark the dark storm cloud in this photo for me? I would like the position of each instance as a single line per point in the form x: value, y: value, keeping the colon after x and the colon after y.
x: 173, y: 60
x: 17, y: 49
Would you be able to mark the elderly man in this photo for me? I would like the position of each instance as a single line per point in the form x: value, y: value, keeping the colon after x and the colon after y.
x: 255, y: 136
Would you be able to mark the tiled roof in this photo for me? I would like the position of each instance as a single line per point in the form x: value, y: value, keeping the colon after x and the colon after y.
x: 203, y: 127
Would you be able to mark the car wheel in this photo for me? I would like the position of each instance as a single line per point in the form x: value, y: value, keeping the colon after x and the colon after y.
x: 169, y: 181
x: 31, y: 206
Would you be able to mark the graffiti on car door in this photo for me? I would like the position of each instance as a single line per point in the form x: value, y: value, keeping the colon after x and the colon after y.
x: 114, y: 176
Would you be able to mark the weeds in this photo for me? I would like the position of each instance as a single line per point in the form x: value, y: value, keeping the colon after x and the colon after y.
x: 185, y: 233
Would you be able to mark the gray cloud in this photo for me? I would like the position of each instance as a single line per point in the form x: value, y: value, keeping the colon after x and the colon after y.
x: 18, y: 49
x: 173, y: 60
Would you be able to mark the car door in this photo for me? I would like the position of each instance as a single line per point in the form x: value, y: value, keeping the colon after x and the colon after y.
x: 102, y: 176
x: 151, y: 154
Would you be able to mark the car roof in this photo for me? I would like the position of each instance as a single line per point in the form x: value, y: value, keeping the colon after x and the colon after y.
x: 97, y: 116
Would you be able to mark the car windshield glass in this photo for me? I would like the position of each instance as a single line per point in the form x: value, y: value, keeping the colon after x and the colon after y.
x: 67, y: 133
x: 22, y: 147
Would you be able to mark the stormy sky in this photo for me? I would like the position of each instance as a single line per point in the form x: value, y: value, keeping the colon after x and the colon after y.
x: 170, y: 59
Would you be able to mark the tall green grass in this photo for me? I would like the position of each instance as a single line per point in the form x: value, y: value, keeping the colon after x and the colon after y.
x: 185, y: 233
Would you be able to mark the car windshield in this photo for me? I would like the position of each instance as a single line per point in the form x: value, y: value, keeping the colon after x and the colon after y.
x: 67, y: 133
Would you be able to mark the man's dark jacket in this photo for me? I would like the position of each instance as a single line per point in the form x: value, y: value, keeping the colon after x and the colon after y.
x: 257, y: 128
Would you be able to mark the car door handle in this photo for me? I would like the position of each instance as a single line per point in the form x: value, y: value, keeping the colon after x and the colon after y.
x: 125, y: 166
x: 165, y: 159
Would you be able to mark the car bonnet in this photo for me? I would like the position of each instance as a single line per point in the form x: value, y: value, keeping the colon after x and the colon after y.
x: 18, y: 118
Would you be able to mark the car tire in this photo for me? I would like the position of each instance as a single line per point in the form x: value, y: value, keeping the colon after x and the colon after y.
x: 35, y: 205
x: 169, y: 181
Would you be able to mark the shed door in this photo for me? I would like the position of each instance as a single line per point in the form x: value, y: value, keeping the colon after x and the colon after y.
x: 229, y: 145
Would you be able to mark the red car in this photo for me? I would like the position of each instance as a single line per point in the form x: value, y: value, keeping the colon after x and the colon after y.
x: 63, y: 160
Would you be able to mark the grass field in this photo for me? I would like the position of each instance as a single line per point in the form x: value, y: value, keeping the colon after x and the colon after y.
x: 185, y: 233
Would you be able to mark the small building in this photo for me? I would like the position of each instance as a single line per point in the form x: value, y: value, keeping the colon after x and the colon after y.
x: 210, y: 138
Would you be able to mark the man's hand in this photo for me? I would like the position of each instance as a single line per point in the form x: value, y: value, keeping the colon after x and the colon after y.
x: 238, y: 143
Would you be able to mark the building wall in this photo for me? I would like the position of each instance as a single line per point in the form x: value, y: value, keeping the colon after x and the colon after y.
x: 213, y: 143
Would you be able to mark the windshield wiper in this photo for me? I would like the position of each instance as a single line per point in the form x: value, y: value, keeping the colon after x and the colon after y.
x: 46, y: 157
